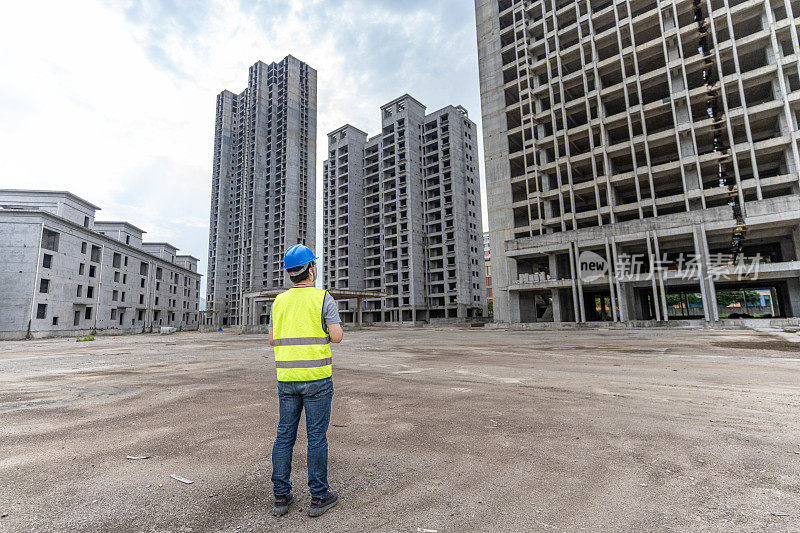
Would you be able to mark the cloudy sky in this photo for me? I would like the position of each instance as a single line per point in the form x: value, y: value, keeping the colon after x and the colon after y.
x: 114, y: 100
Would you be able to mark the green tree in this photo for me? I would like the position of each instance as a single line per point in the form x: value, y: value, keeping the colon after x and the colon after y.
x: 726, y: 298
x: 679, y: 299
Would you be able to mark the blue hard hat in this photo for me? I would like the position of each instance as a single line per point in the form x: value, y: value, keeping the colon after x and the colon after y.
x: 297, y: 255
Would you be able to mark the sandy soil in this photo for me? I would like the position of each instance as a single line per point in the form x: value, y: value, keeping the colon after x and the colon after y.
x: 449, y: 430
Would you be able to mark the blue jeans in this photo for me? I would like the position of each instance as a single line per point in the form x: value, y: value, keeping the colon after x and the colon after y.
x: 315, y: 397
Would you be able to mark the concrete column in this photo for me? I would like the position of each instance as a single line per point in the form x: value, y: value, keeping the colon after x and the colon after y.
x: 788, y: 157
x: 712, y: 298
x: 577, y: 292
x: 796, y: 244
x: 793, y: 290
x: 611, y: 287
x: 624, y: 314
x: 510, y: 270
x: 707, y: 286
x: 547, y: 206
x: 555, y: 295
x: 513, y: 306
x: 783, y: 124
x: 552, y: 263
x: 612, y: 195
x: 656, y: 305
x: 627, y: 303
x: 773, y: 299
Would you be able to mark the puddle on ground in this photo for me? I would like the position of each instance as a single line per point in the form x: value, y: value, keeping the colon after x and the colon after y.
x: 779, y: 346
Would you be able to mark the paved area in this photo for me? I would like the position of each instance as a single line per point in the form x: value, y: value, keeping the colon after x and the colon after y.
x: 446, y: 430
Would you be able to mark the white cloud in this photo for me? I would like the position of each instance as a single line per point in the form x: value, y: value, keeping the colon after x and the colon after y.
x: 115, y: 102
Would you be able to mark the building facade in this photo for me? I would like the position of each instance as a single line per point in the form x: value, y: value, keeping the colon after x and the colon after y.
x: 402, y: 215
x: 64, y: 273
x: 487, y: 260
x: 660, y: 133
x: 263, y: 183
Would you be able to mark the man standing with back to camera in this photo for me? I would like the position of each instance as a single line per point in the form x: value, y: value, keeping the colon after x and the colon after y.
x: 303, y: 323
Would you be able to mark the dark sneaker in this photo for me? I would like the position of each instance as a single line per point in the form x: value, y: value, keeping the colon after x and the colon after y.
x: 320, y: 505
x: 281, y: 506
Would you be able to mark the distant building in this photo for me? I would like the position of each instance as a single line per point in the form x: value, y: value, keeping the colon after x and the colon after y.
x: 263, y: 184
x: 402, y: 215
x: 64, y: 273
x: 487, y: 259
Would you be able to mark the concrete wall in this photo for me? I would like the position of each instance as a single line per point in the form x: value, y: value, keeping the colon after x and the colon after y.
x: 19, y: 264
x: 495, y: 147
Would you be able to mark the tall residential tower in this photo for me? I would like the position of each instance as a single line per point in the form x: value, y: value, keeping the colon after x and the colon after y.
x: 661, y: 136
x: 263, y: 182
x: 402, y: 215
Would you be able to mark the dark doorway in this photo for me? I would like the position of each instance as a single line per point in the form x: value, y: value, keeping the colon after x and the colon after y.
x: 598, y: 306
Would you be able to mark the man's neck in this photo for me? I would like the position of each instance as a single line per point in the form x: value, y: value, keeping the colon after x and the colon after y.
x: 304, y: 284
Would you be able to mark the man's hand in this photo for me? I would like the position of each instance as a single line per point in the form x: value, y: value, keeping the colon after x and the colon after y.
x: 334, y: 330
x: 271, y: 342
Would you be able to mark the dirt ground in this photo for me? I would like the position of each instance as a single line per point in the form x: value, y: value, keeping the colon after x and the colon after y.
x: 446, y: 430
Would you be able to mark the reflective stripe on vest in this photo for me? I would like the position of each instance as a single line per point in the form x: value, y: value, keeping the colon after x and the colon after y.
x: 303, y: 364
x: 302, y: 346
x: 301, y: 341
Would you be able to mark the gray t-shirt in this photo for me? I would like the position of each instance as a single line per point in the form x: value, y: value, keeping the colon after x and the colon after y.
x: 330, y: 312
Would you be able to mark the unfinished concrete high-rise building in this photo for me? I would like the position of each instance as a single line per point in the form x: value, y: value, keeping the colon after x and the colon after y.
x: 402, y: 215
x: 640, y: 129
x: 263, y: 183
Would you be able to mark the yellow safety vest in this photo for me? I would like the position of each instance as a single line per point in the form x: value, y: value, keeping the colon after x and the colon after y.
x: 302, y: 346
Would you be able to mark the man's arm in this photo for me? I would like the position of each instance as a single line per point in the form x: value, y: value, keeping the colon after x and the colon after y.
x: 331, y: 319
x: 335, y: 331
x: 271, y: 312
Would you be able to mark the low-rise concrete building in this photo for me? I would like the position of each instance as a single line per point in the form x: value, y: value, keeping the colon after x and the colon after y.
x: 63, y: 273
